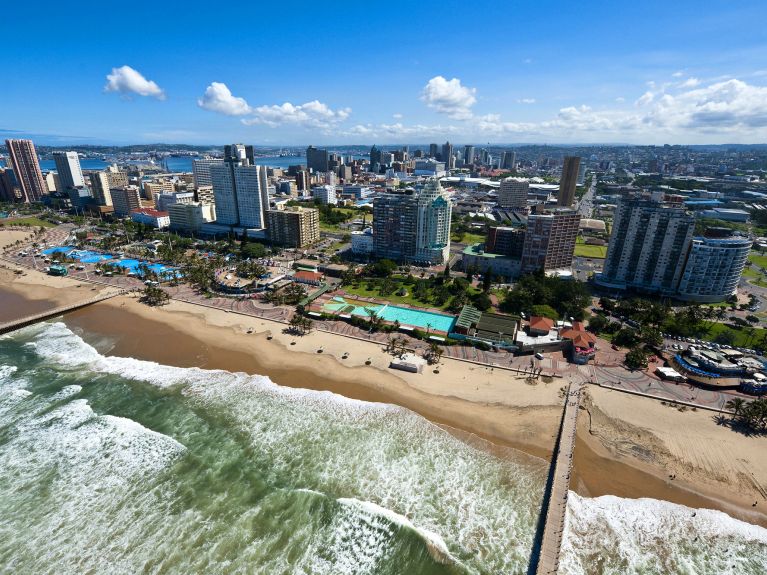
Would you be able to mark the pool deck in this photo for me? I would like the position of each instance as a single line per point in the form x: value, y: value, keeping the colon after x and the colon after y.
x: 318, y: 306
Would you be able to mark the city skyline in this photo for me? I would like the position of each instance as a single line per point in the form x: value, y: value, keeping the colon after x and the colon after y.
x: 552, y: 73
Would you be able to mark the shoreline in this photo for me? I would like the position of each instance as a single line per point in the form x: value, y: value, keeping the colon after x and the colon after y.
x: 494, y: 407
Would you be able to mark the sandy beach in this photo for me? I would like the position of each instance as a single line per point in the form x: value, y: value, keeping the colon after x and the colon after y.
x: 627, y: 445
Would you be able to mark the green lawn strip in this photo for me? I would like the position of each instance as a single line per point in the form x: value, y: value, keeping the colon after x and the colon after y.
x: 758, y: 259
x: 744, y: 337
x: 36, y: 222
x: 362, y: 291
x: 584, y: 251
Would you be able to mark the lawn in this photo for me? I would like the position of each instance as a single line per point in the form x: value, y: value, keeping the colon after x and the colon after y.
x: 751, y: 272
x: 758, y: 260
x: 587, y: 251
x: 35, y: 222
x: 362, y: 291
x: 744, y: 337
x: 469, y: 238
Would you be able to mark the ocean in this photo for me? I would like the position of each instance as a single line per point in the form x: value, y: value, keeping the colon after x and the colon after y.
x: 112, y: 464
x: 184, y: 163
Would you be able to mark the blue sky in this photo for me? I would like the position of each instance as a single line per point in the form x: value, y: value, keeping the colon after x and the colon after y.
x: 385, y: 72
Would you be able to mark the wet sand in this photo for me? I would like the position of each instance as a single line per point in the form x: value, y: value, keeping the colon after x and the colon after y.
x: 126, y: 335
x: 13, y: 305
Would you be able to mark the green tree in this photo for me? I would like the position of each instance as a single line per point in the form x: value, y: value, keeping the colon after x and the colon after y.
x: 487, y: 280
x: 636, y: 358
x: 482, y: 301
x: 651, y: 336
x: 382, y: 268
x: 544, y: 310
x: 293, y: 293
x: 154, y: 296
x: 598, y: 323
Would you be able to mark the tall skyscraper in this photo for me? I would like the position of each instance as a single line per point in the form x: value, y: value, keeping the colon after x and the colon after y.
x: 201, y: 171
x: 468, y: 155
x: 100, y: 188
x: 375, y: 160
x: 512, y: 193
x: 241, y: 197
x: 26, y: 168
x: 316, y: 159
x: 413, y: 225
x: 648, y: 246
x: 68, y: 168
x: 713, y: 268
x: 509, y: 160
x: 568, y: 181
x: 434, y: 151
x: 10, y: 191
x: 241, y: 153
x: 550, y: 240
x: 447, y: 155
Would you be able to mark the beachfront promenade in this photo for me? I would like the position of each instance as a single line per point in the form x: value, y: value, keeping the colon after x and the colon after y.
x: 48, y: 314
x: 558, y: 486
x: 607, y: 374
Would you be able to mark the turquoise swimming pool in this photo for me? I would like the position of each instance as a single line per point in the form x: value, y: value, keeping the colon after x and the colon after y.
x: 425, y: 320
x: 419, y: 318
x: 132, y: 265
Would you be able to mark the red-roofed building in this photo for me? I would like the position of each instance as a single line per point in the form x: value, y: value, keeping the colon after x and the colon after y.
x: 307, y: 277
x: 582, y: 341
x: 540, y: 325
x: 150, y: 217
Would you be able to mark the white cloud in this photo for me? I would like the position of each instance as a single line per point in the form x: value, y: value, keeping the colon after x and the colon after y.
x: 526, y: 101
x: 397, y: 116
x: 728, y: 106
x: 218, y: 98
x: 645, y: 99
x: 449, y: 97
x: 620, y: 99
x: 312, y: 114
x: 689, y: 83
x: 678, y: 74
x: 126, y: 80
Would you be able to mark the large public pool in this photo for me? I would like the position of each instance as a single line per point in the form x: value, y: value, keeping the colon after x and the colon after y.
x: 421, y: 319
x: 91, y: 257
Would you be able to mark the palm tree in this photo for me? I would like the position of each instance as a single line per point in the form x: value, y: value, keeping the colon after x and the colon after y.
x: 736, y: 405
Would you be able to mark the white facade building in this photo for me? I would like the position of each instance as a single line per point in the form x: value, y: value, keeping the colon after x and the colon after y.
x: 201, y: 171
x: 68, y: 169
x: 325, y: 194
x: 191, y: 217
x: 713, y: 268
x: 241, y: 199
x: 151, y: 217
x: 166, y: 199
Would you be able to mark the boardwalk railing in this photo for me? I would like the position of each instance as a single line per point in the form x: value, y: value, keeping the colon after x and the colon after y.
x: 546, y: 562
x: 42, y: 316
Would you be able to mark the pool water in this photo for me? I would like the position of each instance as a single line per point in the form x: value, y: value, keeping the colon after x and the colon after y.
x: 425, y: 320
x: 91, y: 257
x: 422, y: 319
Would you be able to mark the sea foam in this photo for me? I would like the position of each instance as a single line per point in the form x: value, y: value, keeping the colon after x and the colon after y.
x: 637, y: 536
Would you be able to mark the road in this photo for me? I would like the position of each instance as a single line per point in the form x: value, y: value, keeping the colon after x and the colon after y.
x: 586, y: 204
